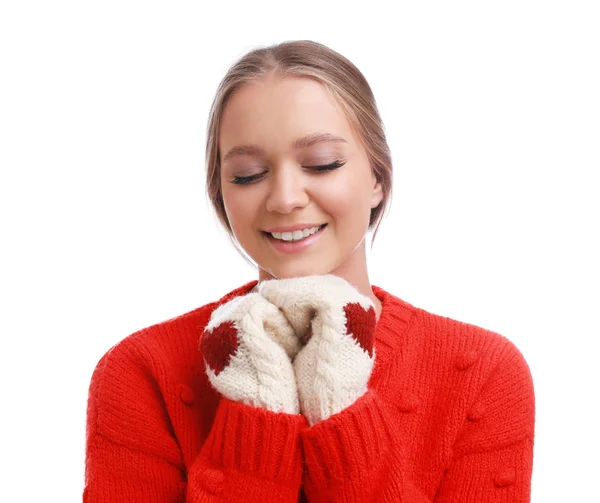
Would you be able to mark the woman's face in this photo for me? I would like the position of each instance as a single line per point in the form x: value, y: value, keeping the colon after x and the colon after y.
x: 283, y: 189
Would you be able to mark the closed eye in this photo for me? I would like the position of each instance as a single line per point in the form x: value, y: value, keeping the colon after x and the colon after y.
x: 328, y: 167
x: 245, y: 180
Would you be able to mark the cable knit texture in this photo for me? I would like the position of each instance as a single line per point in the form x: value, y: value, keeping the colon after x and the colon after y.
x: 333, y: 369
x: 448, y: 416
x: 247, y: 346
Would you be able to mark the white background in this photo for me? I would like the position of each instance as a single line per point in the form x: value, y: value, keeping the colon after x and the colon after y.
x: 492, y: 113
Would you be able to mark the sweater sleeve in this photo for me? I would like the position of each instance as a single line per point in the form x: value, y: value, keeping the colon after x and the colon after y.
x: 493, y: 454
x: 357, y: 454
x: 251, y: 454
x: 132, y: 454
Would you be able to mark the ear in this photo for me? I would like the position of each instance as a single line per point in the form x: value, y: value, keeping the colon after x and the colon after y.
x: 377, y: 195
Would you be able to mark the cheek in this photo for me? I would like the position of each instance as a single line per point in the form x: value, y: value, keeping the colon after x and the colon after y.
x: 343, y: 196
x: 239, y: 209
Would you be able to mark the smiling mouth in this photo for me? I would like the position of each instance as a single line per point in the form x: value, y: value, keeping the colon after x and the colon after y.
x: 269, y: 235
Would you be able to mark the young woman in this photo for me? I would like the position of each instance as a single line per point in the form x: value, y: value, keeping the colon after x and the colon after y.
x: 308, y: 384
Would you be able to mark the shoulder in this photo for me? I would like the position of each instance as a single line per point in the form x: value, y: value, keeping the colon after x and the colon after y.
x: 172, y: 340
x: 490, y: 375
x: 478, y: 378
x: 460, y: 342
x: 133, y: 380
x: 153, y: 346
x: 468, y: 345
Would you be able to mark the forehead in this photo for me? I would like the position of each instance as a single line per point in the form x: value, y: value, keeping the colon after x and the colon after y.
x: 275, y: 112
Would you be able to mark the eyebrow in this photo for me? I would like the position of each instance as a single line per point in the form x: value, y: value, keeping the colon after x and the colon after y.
x: 303, y: 142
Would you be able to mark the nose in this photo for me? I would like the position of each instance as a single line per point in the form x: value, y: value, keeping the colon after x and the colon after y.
x: 287, y: 190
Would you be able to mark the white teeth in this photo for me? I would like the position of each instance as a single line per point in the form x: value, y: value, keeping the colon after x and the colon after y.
x: 296, y: 235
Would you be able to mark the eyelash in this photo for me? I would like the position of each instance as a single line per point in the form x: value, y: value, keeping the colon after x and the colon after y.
x: 245, y: 180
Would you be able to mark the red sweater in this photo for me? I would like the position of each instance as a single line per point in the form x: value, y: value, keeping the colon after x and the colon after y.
x: 449, y: 417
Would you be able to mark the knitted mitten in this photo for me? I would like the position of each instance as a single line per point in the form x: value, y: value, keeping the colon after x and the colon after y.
x: 333, y: 368
x: 247, y: 346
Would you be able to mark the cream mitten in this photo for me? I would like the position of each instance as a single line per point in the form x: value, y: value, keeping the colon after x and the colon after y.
x: 247, y: 346
x: 333, y: 368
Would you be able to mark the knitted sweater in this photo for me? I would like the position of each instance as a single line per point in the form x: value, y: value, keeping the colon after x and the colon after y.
x: 448, y: 417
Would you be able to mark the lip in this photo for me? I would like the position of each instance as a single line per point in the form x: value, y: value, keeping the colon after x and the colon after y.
x: 297, y: 246
x: 291, y: 228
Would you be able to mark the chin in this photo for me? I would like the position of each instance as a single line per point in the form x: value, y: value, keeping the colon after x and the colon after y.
x: 299, y: 271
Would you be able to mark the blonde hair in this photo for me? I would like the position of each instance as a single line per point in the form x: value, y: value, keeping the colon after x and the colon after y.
x: 304, y: 58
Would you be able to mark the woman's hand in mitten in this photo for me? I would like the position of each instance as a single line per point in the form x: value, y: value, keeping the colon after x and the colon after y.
x: 333, y: 368
x: 247, y: 346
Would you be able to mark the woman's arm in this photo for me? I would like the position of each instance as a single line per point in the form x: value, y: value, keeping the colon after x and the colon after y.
x: 251, y: 454
x: 131, y: 454
x: 493, y: 454
x: 499, y: 475
x: 356, y: 455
